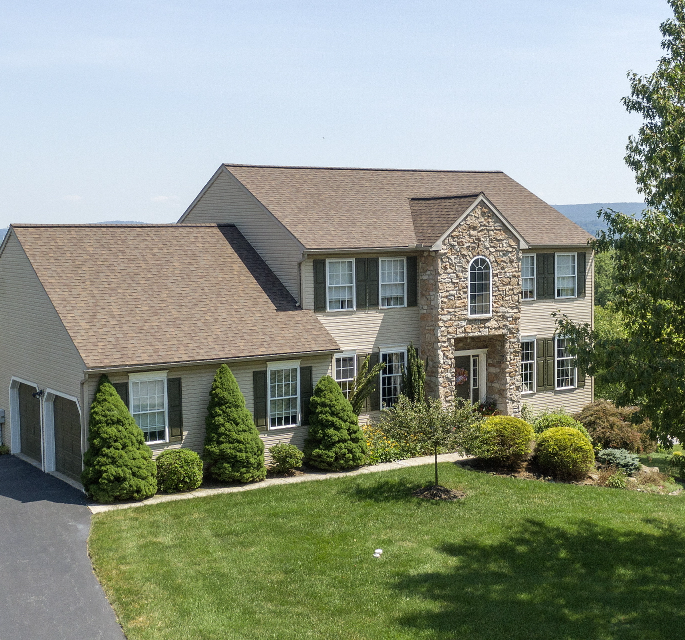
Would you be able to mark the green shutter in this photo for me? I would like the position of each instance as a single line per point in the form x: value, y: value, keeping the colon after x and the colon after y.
x: 360, y: 282
x: 539, y: 365
x: 174, y: 409
x: 580, y: 270
x: 306, y: 391
x: 412, y: 281
x: 375, y: 397
x: 122, y: 389
x: 372, y: 282
x: 319, y: 285
x: 360, y: 361
x: 581, y: 380
x: 544, y: 269
x: 259, y: 398
x: 544, y: 352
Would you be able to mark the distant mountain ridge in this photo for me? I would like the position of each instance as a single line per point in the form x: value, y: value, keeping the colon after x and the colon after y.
x: 585, y: 215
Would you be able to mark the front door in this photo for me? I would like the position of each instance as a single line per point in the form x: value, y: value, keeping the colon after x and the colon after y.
x: 470, y: 375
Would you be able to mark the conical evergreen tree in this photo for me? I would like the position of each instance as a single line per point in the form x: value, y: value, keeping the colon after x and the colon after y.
x: 118, y: 464
x: 234, y: 452
x: 335, y: 440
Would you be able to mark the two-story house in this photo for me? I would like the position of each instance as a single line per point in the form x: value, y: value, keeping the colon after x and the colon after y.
x: 287, y: 274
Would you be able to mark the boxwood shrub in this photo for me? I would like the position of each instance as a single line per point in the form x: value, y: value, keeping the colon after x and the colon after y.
x: 559, y: 418
x: 619, y: 458
x: 564, y: 453
x: 502, y: 440
x: 178, y: 470
x: 285, y: 457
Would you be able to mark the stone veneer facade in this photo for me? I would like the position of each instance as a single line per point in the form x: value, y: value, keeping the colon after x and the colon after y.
x: 443, y: 306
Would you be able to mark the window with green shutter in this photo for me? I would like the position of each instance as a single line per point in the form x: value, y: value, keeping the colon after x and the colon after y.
x: 545, y: 375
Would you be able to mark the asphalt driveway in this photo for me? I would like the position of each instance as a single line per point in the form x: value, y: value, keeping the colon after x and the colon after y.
x: 47, y: 587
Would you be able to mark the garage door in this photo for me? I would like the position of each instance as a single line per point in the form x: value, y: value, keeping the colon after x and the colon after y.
x: 29, y: 422
x: 67, y: 438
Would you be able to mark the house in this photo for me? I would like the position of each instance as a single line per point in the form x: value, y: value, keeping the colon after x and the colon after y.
x: 287, y: 274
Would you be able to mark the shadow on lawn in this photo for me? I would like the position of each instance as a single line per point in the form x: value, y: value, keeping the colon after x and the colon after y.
x: 589, y: 582
x: 385, y: 490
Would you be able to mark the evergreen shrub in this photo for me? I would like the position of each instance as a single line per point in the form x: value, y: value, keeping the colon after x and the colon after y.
x: 503, y: 440
x: 335, y: 440
x: 676, y: 464
x: 564, y: 453
x: 118, y: 464
x: 233, y: 451
x: 612, y: 427
x: 285, y: 457
x: 619, y: 458
x: 178, y: 470
x: 4, y: 449
x: 558, y: 418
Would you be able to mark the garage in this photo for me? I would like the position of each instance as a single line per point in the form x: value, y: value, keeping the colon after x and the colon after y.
x: 29, y: 422
x: 67, y: 438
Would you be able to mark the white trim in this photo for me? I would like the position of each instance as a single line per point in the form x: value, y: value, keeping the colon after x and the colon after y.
x: 575, y: 369
x: 535, y: 276
x: 481, y: 198
x: 482, y: 370
x: 532, y: 339
x: 468, y: 295
x: 278, y: 366
x: 380, y: 284
x: 575, y: 277
x: 345, y: 354
x: 354, y: 284
x: 14, y: 420
x: 150, y: 376
x: 388, y: 350
x: 50, y: 449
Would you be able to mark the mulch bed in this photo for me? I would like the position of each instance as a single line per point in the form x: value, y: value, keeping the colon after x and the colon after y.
x: 437, y: 492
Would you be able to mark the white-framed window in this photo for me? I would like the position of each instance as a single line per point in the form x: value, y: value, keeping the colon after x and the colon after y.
x: 565, y: 366
x: 345, y: 370
x: 565, y: 275
x: 391, y: 375
x: 528, y: 276
x: 393, y: 282
x: 528, y: 365
x: 340, y: 284
x: 148, y: 404
x: 480, y: 287
x: 283, y: 393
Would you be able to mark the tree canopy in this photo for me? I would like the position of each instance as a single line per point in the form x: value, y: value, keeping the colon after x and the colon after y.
x: 648, y: 254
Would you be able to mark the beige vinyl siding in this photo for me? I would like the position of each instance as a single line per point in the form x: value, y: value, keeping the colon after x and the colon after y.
x: 571, y: 400
x: 226, y: 200
x: 34, y: 345
x: 196, y: 385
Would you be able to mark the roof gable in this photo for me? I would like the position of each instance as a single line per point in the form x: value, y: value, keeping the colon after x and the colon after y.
x: 138, y: 295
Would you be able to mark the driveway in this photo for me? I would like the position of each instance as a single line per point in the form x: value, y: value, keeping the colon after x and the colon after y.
x: 47, y: 587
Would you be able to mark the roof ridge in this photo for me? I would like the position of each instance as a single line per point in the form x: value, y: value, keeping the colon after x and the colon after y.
x: 277, y: 166
x: 474, y: 194
x: 106, y: 225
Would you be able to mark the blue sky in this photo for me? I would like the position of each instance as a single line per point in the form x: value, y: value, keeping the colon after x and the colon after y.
x: 123, y: 110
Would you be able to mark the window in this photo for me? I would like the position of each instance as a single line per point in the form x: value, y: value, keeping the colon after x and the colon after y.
x: 528, y: 365
x: 565, y: 275
x: 391, y: 376
x: 345, y: 370
x: 340, y: 284
x: 284, y: 394
x: 149, y: 404
x: 528, y: 276
x: 392, y: 281
x: 565, y: 365
x: 479, y: 287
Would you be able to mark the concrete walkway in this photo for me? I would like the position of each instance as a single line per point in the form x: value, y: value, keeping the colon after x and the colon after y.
x: 306, y: 477
x: 48, y: 590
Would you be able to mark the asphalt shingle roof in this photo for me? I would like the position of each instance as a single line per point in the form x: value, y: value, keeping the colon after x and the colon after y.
x: 330, y: 208
x: 134, y: 295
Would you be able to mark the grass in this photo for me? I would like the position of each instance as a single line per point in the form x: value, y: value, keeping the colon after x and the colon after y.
x: 658, y: 459
x: 515, y: 559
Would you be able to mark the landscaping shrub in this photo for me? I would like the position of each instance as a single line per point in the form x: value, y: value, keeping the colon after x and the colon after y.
x: 285, y: 457
x: 118, y: 464
x: 612, y: 427
x: 564, y: 453
x: 676, y: 464
x: 4, y: 449
x: 335, y: 440
x: 178, y: 470
x: 414, y: 376
x: 233, y: 451
x: 382, y: 448
x: 620, y: 458
x: 502, y: 440
x: 618, y: 479
x: 558, y: 418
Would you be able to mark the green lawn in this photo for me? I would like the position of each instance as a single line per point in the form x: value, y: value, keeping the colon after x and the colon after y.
x: 658, y: 459
x: 514, y: 559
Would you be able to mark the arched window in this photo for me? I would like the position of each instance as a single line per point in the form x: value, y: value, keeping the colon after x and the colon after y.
x: 480, y: 287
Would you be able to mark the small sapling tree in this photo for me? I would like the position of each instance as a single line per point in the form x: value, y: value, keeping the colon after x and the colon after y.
x: 233, y: 451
